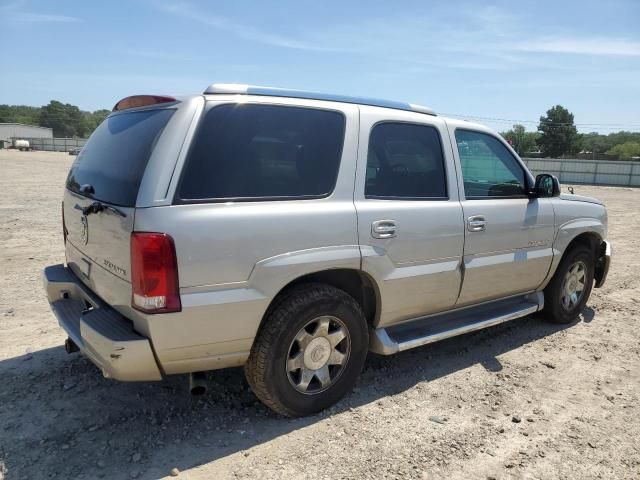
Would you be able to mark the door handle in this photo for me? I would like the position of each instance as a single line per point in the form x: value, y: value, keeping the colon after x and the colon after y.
x: 476, y: 223
x: 384, y: 229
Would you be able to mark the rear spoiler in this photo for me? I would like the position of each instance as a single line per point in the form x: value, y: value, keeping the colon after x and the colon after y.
x: 142, y: 101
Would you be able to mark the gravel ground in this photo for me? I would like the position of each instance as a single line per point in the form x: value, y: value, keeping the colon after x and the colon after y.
x: 521, y: 400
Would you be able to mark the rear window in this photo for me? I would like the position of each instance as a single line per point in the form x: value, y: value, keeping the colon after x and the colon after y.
x: 405, y: 161
x: 116, y: 155
x: 262, y: 152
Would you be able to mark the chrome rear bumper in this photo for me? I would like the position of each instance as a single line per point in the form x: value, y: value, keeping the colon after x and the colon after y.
x: 102, y: 334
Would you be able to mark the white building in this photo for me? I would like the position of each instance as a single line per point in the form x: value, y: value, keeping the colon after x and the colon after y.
x: 18, y: 130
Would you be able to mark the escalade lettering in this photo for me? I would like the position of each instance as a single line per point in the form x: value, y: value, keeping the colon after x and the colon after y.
x: 114, y: 268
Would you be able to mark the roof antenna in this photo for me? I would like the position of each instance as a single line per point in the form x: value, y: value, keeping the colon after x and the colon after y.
x: 570, y: 190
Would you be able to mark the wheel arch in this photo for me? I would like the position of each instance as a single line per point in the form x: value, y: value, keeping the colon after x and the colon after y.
x: 590, y: 238
x: 358, y: 284
x: 598, y: 247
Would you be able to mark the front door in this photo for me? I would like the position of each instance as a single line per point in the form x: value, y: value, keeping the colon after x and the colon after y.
x: 410, y: 224
x: 508, y: 235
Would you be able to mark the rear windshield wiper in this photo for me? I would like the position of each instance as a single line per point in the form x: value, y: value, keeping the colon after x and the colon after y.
x: 97, y: 207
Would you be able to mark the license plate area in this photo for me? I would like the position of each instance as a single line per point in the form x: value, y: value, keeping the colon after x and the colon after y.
x: 85, y: 267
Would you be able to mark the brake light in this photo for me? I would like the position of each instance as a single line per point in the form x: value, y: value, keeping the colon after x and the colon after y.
x: 154, y: 273
x: 141, y: 101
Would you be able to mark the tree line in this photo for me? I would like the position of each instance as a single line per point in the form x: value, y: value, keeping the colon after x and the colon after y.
x: 558, y: 136
x: 65, y: 119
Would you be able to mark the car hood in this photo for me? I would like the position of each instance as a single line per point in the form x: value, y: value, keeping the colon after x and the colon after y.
x: 580, y: 198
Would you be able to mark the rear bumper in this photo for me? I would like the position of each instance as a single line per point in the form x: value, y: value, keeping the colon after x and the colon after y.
x: 102, y: 334
x: 602, y: 264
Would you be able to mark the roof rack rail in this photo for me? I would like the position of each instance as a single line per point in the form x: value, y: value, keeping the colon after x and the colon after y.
x: 243, y: 89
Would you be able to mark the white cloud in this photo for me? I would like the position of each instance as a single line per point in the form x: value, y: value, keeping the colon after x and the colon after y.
x: 243, y: 31
x: 583, y: 46
x: 17, y: 12
x: 474, y: 39
x: 43, y: 18
x: 157, y: 54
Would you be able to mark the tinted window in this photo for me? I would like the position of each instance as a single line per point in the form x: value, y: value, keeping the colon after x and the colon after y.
x: 264, y: 151
x: 488, y: 168
x: 116, y: 154
x: 405, y: 161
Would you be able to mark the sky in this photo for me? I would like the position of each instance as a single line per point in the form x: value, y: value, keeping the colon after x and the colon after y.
x: 495, y: 62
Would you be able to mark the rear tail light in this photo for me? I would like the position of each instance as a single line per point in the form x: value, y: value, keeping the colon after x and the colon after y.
x: 154, y: 273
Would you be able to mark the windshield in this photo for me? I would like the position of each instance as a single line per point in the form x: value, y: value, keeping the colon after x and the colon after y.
x: 111, y: 164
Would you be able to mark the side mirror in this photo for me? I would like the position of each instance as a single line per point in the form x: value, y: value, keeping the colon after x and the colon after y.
x: 546, y: 186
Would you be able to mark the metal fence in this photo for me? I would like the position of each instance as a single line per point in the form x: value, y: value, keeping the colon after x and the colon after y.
x: 55, y: 144
x: 590, y: 172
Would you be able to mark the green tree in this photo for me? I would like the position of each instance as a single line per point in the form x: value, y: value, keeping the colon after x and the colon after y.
x: 76, y: 120
x: 100, y: 115
x: 55, y: 116
x: 626, y: 151
x: 19, y: 114
x: 521, y: 140
x: 617, y: 138
x: 598, y: 143
x: 595, y: 143
x: 92, y: 120
x: 65, y: 119
x: 558, y: 134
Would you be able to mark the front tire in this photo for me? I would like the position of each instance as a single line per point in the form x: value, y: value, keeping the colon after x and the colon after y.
x: 569, y: 289
x: 310, y: 350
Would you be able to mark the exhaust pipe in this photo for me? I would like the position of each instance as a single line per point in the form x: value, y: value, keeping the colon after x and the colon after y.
x: 197, y: 383
x: 70, y: 346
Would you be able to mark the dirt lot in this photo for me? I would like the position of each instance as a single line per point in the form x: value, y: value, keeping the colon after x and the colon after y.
x: 521, y: 400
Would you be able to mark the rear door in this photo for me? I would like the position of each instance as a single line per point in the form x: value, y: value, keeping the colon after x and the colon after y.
x: 100, y: 199
x: 410, y: 224
x: 508, y: 236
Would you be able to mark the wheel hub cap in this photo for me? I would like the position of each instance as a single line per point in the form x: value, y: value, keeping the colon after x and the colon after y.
x: 573, y: 285
x: 318, y: 354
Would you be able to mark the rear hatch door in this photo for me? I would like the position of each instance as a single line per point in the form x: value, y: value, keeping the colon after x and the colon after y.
x: 100, y: 198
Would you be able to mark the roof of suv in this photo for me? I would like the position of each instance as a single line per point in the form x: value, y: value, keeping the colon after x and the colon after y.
x: 243, y: 89
x: 152, y: 101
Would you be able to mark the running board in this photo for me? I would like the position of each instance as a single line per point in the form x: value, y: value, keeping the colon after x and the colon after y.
x: 425, y: 330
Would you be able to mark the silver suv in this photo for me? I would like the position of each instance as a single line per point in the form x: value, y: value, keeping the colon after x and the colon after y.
x: 293, y: 232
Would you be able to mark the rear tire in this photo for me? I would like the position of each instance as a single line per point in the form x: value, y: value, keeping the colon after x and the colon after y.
x: 310, y: 350
x: 568, y: 291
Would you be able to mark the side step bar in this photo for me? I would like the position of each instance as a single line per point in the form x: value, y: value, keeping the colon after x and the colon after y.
x: 425, y: 330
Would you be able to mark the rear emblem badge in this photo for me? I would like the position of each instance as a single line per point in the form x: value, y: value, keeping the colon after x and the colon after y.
x: 84, y: 229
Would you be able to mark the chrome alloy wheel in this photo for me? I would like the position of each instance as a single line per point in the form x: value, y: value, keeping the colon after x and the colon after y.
x: 573, y: 285
x: 318, y: 354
